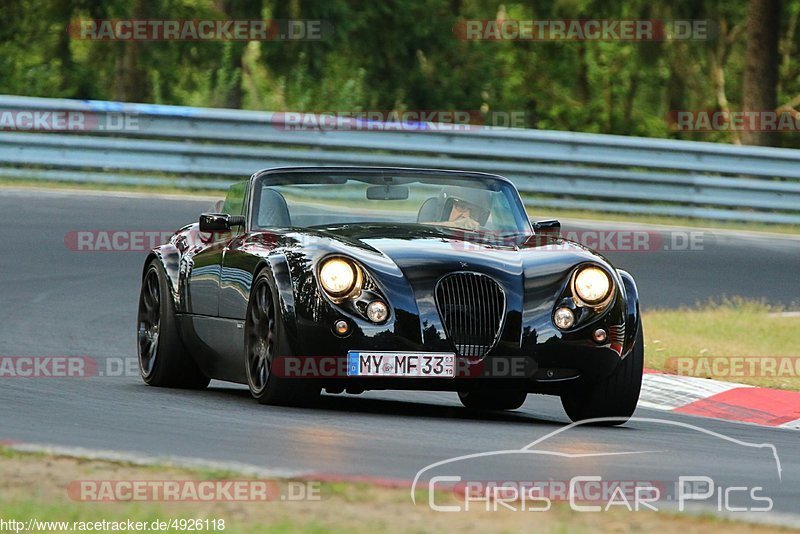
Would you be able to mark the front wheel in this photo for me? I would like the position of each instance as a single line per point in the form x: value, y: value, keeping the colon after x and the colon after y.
x: 492, y: 400
x: 264, y: 336
x: 616, y: 396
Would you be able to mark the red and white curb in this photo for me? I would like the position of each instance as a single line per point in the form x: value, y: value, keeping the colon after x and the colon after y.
x: 720, y: 400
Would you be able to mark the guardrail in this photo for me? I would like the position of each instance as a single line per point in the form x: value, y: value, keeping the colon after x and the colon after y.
x: 209, y: 148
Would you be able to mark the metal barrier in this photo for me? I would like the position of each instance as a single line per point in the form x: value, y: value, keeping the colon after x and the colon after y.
x: 209, y: 148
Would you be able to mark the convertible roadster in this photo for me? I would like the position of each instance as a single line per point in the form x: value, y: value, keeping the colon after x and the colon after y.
x: 360, y: 278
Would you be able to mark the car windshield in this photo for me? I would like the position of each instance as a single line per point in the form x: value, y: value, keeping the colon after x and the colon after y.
x: 464, y: 201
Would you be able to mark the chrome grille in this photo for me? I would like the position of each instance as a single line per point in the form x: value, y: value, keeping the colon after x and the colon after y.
x: 472, y: 306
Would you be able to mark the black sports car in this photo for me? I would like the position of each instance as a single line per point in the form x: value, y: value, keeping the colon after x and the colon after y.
x: 358, y: 278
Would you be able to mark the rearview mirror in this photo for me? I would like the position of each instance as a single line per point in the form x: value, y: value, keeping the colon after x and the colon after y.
x: 387, y: 192
x: 219, y: 222
x: 548, y: 227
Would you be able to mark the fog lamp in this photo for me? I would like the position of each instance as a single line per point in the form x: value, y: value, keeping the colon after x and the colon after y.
x: 564, y: 318
x: 377, y: 311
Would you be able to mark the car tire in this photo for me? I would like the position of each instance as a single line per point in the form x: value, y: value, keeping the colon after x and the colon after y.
x: 264, y: 341
x: 496, y: 400
x: 616, y: 396
x: 163, y: 358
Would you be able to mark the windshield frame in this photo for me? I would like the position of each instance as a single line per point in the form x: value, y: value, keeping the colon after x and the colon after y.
x: 289, y: 175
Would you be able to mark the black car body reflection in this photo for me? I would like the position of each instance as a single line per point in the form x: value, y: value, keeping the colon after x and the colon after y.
x: 487, y: 297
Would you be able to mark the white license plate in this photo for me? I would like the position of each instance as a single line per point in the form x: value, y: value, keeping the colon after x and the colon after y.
x: 401, y: 364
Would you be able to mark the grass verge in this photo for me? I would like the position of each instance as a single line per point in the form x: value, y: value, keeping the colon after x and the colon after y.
x: 662, y: 220
x: 80, y: 186
x: 35, y: 486
x: 736, y: 340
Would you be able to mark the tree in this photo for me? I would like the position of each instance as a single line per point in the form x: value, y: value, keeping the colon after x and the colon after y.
x: 759, y: 89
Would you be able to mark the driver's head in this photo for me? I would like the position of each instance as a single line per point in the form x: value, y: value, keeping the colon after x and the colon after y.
x: 468, y: 202
x: 461, y: 208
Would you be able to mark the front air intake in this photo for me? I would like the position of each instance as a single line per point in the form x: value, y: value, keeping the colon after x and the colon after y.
x: 471, y: 306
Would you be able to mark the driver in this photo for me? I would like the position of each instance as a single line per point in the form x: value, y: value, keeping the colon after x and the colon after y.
x: 464, y: 208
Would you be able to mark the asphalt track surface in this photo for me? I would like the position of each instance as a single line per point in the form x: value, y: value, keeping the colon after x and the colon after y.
x: 55, y: 301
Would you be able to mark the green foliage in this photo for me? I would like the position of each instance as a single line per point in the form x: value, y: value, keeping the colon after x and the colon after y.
x: 403, y: 55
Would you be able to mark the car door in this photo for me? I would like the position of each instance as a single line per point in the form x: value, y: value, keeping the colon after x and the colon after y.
x: 269, y: 210
x: 204, y: 269
x: 219, y: 341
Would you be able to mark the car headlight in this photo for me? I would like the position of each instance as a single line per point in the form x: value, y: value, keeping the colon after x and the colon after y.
x: 339, y: 277
x: 592, y: 285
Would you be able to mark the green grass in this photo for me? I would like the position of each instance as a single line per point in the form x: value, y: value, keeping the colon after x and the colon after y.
x: 729, y: 329
x: 160, y: 190
x: 663, y: 220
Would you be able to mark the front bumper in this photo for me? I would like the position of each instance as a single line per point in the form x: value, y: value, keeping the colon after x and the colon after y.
x: 544, y: 361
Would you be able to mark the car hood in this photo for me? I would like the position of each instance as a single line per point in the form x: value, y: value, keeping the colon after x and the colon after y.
x: 428, y: 251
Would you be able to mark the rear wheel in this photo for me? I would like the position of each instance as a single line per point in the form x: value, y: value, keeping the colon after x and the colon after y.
x: 263, y: 345
x: 492, y: 400
x: 616, y: 396
x: 163, y: 360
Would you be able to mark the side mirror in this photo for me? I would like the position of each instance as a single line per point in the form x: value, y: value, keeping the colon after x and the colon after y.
x: 219, y: 222
x: 550, y: 227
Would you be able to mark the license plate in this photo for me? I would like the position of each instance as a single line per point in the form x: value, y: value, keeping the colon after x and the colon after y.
x: 401, y: 364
